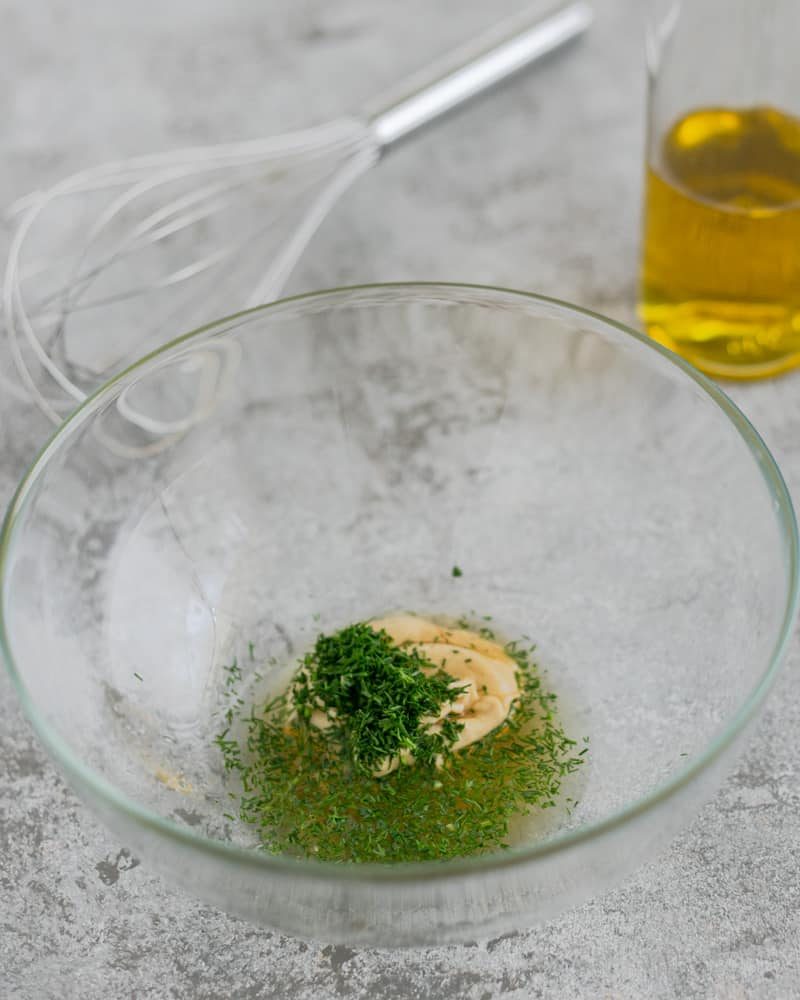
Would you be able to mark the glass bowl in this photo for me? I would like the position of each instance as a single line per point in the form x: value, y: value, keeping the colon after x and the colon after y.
x: 331, y: 457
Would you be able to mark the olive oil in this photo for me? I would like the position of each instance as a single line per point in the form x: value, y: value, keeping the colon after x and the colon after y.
x: 720, y: 277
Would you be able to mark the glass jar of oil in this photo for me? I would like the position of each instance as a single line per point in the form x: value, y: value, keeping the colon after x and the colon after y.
x: 720, y: 279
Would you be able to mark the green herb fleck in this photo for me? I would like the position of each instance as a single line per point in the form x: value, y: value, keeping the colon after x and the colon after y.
x: 456, y: 571
x: 138, y: 676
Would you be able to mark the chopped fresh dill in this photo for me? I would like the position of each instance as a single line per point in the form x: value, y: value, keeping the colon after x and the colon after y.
x: 456, y: 571
x: 138, y: 676
x: 311, y: 791
x: 374, y: 695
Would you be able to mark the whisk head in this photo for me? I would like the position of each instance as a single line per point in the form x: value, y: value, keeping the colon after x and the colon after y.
x: 111, y: 262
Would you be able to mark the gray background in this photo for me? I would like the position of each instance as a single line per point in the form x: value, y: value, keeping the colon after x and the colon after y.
x: 538, y: 187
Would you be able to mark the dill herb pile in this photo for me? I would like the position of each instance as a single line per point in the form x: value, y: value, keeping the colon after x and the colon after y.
x: 310, y: 791
x: 375, y: 696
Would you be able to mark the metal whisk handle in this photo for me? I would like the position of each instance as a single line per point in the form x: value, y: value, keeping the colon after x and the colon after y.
x: 509, y: 48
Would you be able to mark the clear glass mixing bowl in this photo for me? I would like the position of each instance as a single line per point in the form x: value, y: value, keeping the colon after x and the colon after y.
x: 339, y: 453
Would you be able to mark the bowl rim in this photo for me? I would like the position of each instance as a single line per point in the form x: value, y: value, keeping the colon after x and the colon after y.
x: 408, y: 872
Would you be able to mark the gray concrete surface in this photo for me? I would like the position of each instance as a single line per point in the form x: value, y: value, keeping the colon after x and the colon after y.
x: 537, y: 188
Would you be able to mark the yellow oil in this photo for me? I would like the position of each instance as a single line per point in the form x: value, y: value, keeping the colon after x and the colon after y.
x: 721, y: 260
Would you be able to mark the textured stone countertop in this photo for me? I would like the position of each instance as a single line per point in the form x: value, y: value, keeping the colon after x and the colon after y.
x: 537, y: 187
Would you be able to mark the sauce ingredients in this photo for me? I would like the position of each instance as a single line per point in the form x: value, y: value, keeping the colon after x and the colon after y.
x: 376, y: 752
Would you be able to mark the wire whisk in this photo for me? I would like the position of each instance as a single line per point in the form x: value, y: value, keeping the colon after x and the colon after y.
x: 113, y: 261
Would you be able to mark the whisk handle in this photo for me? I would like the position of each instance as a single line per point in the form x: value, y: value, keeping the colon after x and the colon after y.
x: 471, y: 71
